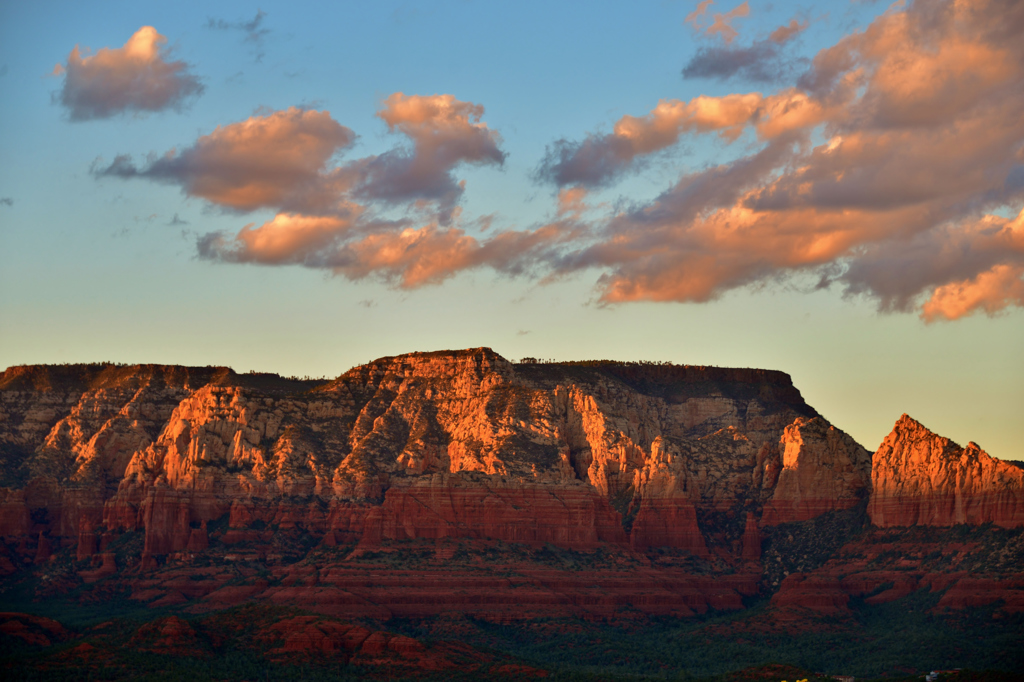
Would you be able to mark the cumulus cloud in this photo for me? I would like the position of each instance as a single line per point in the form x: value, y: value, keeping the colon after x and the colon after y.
x: 399, y: 253
x: 445, y: 133
x: 990, y: 291
x: 278, y: 160
x: 924, y: 143
x: 334, y: 215
x: 134, y: 78
x: 283, y: 160
x: 887, y: 172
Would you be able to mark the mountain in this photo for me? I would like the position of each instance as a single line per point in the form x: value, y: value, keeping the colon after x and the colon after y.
x: 457, y: 482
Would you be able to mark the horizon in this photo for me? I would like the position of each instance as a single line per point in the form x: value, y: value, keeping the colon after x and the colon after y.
x: 834, y: 192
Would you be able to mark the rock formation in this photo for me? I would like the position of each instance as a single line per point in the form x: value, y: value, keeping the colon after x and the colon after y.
x: 682, y: 479
x: 920, y: 478
x: 426, y: 445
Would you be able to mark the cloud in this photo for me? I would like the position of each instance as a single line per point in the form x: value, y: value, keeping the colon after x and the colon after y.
x: 923, y: 143
x: 887, y: 172
x: 783, y: 34
x: 600, y: 159
x: 722, y: 24
x: 278, y: 160
x: 282, y: 160
x: 990, y: 291
x: 253, y: 30
x: 695, y: 16
x: 405, y: 256
x: 288, y: 238
x: 759, y: 62
x: 134, y: 78
x: 762, y: 61
x: 339, y: 215
x: 445, y: 133
x: 570, y: 201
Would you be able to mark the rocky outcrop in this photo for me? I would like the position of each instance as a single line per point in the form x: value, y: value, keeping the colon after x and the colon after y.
x: 823, y: 469
x: 425, y: 445
x: 920, y: 478
x: 454, y: 445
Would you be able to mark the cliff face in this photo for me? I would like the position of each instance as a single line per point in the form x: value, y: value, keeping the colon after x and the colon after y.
x: 434, y: 483
x: 426, y: 445
x: 920, y: 478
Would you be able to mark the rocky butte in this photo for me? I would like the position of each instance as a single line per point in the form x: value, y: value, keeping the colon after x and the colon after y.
x: 434, y: 483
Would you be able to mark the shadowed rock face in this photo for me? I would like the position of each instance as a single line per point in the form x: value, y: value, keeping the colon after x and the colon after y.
x: 920, y: 478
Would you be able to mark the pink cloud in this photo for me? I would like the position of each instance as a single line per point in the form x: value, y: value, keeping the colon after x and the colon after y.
x: 787, y: 32
x: 288, y: 238
x: 890, y: 206
x: 445, y: 133
x: 990, y: 291
x: 599, y: 159
x: 278, y: 160
x: 283, y: 160
x: 136, y: 77
x: 884, y: 172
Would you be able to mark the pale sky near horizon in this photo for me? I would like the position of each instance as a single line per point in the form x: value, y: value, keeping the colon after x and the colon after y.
x: 828, y: 189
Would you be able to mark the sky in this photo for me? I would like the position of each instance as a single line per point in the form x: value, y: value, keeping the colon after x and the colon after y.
x: 830, y: 189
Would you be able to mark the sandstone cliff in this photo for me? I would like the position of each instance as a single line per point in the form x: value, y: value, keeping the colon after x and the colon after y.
x: 920, y: 478
x: 425, y: 445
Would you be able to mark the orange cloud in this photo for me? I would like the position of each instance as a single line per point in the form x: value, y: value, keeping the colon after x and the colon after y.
x: 288, y: 238
x: 921, y: 117
x: 885, y: 171
x: 601, y: 158
x: 570, y: 201
x: 990, y: 291
x: 722, y: 25
x: 445, y: 133
x: 136, y: 77
x: 784, y: 34
x: 278, y: 160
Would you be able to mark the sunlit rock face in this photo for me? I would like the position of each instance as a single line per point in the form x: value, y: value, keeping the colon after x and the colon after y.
x: 456, y: 444
x: 920, y: 478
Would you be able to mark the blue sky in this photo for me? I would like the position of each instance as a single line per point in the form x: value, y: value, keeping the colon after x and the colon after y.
x: 98, y: 266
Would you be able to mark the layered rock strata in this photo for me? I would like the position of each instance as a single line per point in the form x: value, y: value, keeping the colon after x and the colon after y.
x: 920, y: 478
x: 427, y: 445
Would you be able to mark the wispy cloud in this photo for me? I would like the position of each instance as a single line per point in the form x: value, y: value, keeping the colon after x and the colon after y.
x: 761, y: 61
x: 721, y: 24
x: 253, y: 29
x: 134, y: 78
x: 600, y: 159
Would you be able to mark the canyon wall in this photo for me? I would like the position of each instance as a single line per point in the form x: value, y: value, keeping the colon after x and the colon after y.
x: 425, y: 445
x: 462, y: 444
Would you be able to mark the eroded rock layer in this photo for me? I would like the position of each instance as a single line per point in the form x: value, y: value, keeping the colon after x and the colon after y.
x: 460, y: 444
x: 920, y: 478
